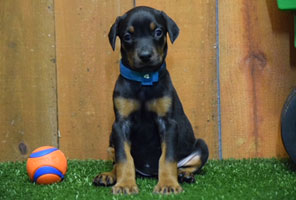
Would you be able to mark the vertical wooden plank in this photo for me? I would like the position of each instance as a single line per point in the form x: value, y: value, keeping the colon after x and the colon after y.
x: 27, y: 78
x: 256, y: 76
x: 191, y: 62
x: 87, y: 70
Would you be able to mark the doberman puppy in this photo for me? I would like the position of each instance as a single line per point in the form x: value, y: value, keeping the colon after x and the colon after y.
x: 151, y: 134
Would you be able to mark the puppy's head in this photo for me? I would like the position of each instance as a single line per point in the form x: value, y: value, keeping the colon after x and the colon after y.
x: 143, y: 35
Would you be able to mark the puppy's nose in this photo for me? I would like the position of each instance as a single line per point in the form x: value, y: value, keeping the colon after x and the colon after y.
x: 145, y: 55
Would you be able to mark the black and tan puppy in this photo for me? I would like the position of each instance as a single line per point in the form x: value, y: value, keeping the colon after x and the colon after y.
x: 151, y: 134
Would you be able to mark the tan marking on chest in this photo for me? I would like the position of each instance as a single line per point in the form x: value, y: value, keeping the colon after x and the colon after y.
x: 126, y: 106
x: 160, y: 106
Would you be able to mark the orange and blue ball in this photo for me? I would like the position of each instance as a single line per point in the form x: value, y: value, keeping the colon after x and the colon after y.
x: 47, y: 165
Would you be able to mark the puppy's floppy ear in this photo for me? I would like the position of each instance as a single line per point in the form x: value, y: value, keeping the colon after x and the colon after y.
x: 114, y: 32
x: 171, y: 26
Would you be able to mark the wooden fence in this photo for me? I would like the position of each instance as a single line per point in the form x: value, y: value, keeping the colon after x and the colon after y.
x: 233, y: 66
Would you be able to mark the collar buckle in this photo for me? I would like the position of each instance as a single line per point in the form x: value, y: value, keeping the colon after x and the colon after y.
x: 146, y: 76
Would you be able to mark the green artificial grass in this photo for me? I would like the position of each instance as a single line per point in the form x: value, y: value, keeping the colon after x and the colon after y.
x: 227, y: 179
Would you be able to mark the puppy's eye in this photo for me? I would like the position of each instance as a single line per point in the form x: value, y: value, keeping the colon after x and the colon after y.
x: 158, y: 33
x: 127, y: 37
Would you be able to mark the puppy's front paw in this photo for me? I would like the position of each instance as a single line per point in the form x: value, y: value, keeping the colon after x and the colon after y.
x: 128, y: 188
x: 105, y: 179
x: 168, y: 188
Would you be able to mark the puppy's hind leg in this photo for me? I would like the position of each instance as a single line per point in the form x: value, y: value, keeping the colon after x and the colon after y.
x: 188, y: 166
x: 107, y: 178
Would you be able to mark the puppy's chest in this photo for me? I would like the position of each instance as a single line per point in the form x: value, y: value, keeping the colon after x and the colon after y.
x: 124, y: 107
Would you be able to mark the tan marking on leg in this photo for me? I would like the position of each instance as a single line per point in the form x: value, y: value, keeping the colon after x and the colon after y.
x: 187, y: 170
x: 160, y: 106
x: 192, y: 165
x: 186, y: 174
x: 194, y: 162
x: 106, y: 178
x: 125, y: 106
x: 111, y: 153
x: 126, y: 175
x: 167, y: 176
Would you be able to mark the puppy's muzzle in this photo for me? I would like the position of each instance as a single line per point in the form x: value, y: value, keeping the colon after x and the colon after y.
x: 145, y: 55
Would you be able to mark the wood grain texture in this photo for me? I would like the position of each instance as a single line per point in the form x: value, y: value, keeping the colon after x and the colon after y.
x: 28, y: 117
x: 87, y: 70
x: 257, y: 74
x: 191, y: 62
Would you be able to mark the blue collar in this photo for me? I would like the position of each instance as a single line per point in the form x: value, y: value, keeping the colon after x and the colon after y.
x: 144, y: 78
